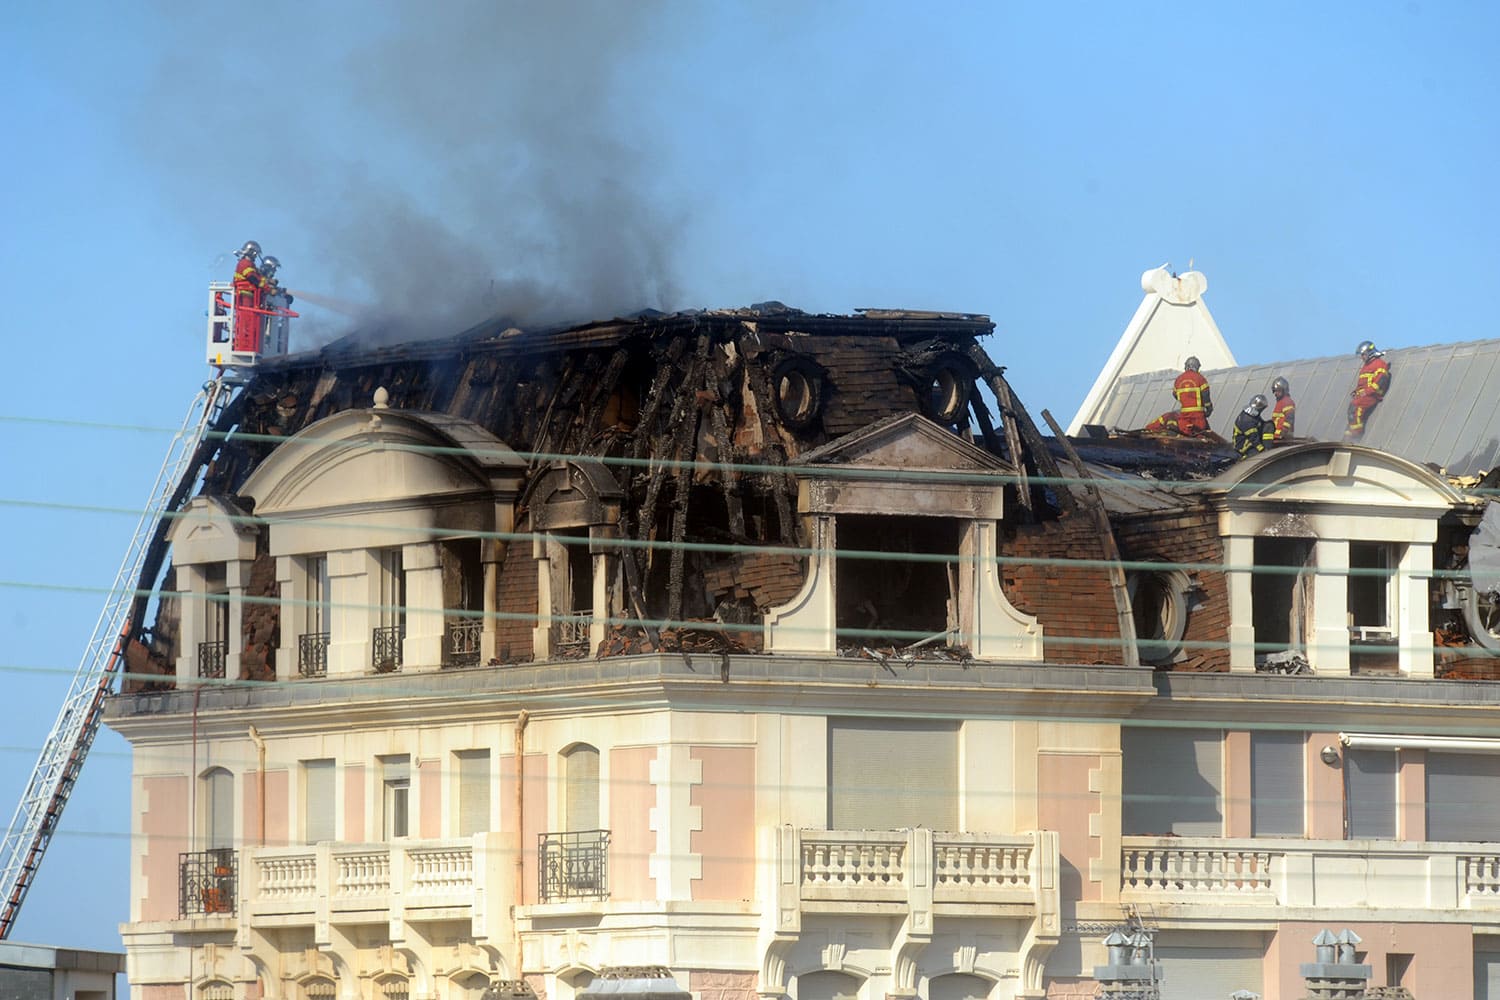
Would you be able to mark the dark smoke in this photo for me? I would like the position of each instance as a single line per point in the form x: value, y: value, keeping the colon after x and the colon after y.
x: 444, y: 164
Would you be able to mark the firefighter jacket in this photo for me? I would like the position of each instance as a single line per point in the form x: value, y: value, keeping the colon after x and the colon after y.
x: 247, y: 279
x: 1372, y: 381
x: 1251, y: 433
x: 1284, y: 417
x: 1191, y: 392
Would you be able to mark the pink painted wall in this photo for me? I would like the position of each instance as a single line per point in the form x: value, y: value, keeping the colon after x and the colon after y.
x: 1237, y: 784
x: 354, y: 802
x: 163, y: 992
x: 1066, y: 805
x: 430, y: 809
x: 1443, y: 966
x: 278, y: 790
x: 536, y: 786
x: 722, y: 985
x: 1071, y: 989
x: 1411, y: 795
x: 1325, y: 790
x: 165, y: 825
x: 251, y: 783
x: 727, y: 840
x: 631, y: 796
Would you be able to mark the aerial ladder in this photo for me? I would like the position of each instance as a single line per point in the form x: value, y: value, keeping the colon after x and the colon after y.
x: 235, y: 346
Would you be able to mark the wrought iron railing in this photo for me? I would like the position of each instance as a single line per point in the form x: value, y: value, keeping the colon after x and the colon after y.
x: 312, y: 654
x: 206, y: 882
x: 385, y: 647
x: 461, y: 638
x: 573, y: 865
x: 572, y: 630
x: 211, y: 657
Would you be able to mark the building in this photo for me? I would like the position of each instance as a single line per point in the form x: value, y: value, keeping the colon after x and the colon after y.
x: 764, y: 647
x: 40, y: 972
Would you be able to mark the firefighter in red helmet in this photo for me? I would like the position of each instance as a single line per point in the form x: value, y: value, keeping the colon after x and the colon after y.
x: 1194, y: 404
x: 1370, y: 386
x: 1284, y: 415
x: 249, y: 285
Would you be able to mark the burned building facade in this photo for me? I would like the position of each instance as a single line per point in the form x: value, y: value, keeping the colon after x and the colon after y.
x: 785, y: 651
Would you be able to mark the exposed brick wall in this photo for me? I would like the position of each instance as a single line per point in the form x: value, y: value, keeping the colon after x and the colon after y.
x: 1071, y: 989
x: 517, y: 597
x: 758, y: 579
x: 260, y: 621
x: 1188, y: 537
x: 1466, y: 663
x: 1074, y: 603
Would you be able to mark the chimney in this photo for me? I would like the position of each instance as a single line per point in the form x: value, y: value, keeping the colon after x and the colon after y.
x: 1333, y: 974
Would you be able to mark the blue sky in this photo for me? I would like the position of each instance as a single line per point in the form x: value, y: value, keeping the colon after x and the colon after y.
x: 1329, y: 167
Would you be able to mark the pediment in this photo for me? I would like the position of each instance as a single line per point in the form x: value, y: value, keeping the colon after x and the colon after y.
x: 908, y: 441
x: 374, y: 458
x: 1337, y: 475
x: 211, y: 530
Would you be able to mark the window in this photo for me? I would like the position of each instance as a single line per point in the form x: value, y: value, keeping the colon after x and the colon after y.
x: 889, y: 774
x: 317, y: 612
x: 214, y: 989
x: 218, y: 808
x: 473, y: 791
x: 897, y: 600
x: 1276, y: 782
x: 319, y: 988
x: 1173, y: 782
x: 214, y: 648
x: 390, y: 614
x: 318, y: 800
x: 1461, y: 800
x: 1372, y: 586
x: 1370, y: 793
x: 1281, y: 594
x: 395, y: 798
x: 581, y: 767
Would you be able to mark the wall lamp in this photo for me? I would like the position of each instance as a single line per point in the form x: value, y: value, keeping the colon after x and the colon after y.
x: 1329, y: 755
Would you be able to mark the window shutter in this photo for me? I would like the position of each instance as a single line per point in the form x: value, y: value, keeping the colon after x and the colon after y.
x: 1370, y: 787
x: 583, y: 789
x: 318, y: 801
x: 1173, y: 782
x: 473, y: 792
x: 1461, y: 804
x: 1276, y: 790
x: 220, y: 786
x: 889, y: 774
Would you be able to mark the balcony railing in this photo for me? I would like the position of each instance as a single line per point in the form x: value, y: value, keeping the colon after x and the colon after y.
x: 461, y: 637
x: 385, y: 648
x: 207, y: 882
x: 572, y: 630
x: 211, y: 657
x: 312, y: 654
x: 1438, y: 877
x: 438, y: 874
x: 875, y: 865
x: 573, y: 865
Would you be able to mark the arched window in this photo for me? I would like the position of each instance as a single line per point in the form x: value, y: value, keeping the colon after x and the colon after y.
x: 393, y: 988
x: 319, y: 988
x: 581, y: 779
x: 470, y: 986
x: 216, y: 989
x: 827, y: 986
x: 958, y: 986
x: 217, y: 789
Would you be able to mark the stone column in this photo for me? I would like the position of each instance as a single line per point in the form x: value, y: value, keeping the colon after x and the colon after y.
x: 1328, y: 649
x: 423, y: 648
x: 349, y: 614
x: 237, y: 577
x: 192, y: 582
x: 1239, y: 552
x: 541, y: 633
x: 491, y: 555
x: 292, y: 579
x: 1413, y: 629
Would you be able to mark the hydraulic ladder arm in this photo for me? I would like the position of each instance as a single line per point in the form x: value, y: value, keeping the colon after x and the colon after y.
x: 57, y: 767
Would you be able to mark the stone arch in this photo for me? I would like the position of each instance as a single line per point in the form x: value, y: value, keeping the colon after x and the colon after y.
x: 958, y: 986
x: 828, y: 984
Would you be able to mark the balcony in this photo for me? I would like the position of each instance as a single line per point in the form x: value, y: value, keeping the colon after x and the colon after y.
x: 206, y: 882
x: 385, y: 648
x: 312, y: 654
x: 571, y: 631
x: 906, y: 871
x: 573, y: 865
x: 211, y: 658
x: 1448, y: 881
x: 461, y: 638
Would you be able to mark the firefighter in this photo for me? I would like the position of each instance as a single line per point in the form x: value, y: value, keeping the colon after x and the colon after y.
x: 1284, y: 414
x: 1194, y: 403
x: 1370, y: 385
x: 1251, y: 432
x: 277, y: 302
x: 249, y: 285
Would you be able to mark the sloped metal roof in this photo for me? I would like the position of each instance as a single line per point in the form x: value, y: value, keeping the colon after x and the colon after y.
x: 1443, y: 406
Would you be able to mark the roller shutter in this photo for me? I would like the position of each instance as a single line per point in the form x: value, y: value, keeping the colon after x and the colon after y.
x: 1276, y: 798
x: 1202, y: 973
x: 1370, y: 788
x: 1462, y: 803
x: 473, y: 792
x: 1173, y: 782
x: 888, y: 774
x: 1487, y: 975
x: 318, y: 784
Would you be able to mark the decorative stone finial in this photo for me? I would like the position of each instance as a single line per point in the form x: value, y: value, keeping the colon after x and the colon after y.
x: 382, y: 399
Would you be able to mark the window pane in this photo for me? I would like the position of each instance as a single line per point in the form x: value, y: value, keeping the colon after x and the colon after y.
x: 1276, y: 796
x: 219, y: 809
x: 889, y: 774
x: 396, y: 787
x: 473, y: 792
x: 1370, y: 788
x: 317, y: 806
x: 1173, y: 782
x: 1461, y: 800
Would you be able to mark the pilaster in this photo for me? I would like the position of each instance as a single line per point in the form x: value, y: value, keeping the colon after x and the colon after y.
x: 1329, y: 648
